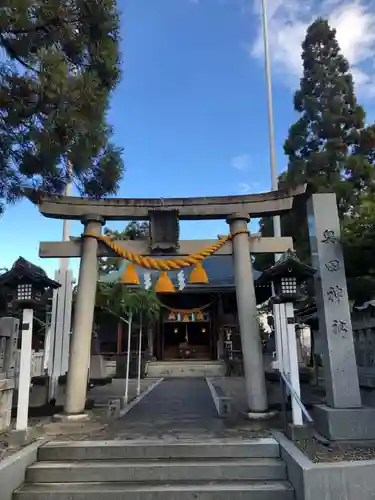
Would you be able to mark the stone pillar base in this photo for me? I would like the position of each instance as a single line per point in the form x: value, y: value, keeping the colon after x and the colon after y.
x: 264, y: 415
x: 74, y: 417
x: 345, y: 424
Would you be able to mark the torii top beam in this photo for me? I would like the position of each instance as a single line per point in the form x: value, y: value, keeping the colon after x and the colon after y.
x: 213, y: 207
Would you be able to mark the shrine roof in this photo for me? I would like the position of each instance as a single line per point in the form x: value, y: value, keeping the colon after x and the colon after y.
x: 23, y: 269
x: 219, y: 270
x: 287, y: 263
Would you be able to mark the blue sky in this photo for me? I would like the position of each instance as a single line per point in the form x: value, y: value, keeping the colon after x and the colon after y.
x: 190, y: 110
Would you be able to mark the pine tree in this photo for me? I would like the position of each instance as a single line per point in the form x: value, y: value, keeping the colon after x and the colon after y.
x: 326, y: 146
x: 60, y: 64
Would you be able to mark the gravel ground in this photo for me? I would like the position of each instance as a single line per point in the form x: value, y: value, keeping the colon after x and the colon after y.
x: 45, y: 427
x: 317, y: 453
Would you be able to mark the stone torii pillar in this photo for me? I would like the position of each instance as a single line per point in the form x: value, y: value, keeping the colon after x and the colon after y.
x: 256, y: 393
x: 80, y: 349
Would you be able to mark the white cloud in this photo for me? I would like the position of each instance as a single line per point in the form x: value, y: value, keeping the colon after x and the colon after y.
x: 244, y: 188
x: 241, y: 162
x: 250, y: 187
x: 287, y: 24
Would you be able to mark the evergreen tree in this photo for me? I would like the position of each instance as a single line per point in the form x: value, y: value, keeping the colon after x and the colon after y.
x: 358, y: 237
x: 322, y: 145
x: 60, y: 64
x: 327, y: 147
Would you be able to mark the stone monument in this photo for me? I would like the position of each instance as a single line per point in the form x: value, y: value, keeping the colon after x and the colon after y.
x: 343, y: 417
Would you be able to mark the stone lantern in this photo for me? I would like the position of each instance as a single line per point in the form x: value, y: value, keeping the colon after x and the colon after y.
x: 288, y: 277
x: 26, y: 285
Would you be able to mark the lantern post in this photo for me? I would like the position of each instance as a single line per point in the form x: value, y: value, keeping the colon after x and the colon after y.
x: 28, y: 284
x: 287, y: 277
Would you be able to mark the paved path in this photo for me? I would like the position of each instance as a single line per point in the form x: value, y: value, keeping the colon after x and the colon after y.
x: 176, y: 408
x: 179, y: 409
x: 175, y: 400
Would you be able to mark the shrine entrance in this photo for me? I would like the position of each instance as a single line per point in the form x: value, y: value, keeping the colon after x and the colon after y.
x: 187, y: 340
x: 164, y: 254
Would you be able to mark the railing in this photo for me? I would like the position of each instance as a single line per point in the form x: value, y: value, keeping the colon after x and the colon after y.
x: 286, y: 384
x: 295, y: 396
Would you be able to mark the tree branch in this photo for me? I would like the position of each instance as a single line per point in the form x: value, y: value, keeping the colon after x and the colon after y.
x: 14, y: 55
x: 36, y: 27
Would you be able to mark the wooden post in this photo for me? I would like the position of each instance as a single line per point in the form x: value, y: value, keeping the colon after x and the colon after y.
x: 293, y: 362
x: 24, y: 370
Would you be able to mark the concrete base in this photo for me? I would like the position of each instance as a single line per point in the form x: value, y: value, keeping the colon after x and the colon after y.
x: 298, y: 432
x: 329, y: 481
x: 97, y: 367
x: 20, y: 437
x: 74, y: 417
x: 266, y: 415
x: 345, y: 424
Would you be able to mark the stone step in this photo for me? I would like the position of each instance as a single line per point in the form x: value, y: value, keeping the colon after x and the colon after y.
x: 244, y: 469
x: 254, y: 490
x: 57, y: 451
x: 185, y: 368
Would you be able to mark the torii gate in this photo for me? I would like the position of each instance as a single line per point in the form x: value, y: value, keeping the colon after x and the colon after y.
x: 164, y: 215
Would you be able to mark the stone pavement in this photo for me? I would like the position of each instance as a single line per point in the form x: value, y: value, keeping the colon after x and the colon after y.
x: 175, y: 406
x: 176, y: 400
x: 179, y: 409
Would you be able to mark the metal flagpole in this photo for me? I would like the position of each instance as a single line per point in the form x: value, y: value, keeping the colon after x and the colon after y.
x: 278, y: 317
x: 274, y: 180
